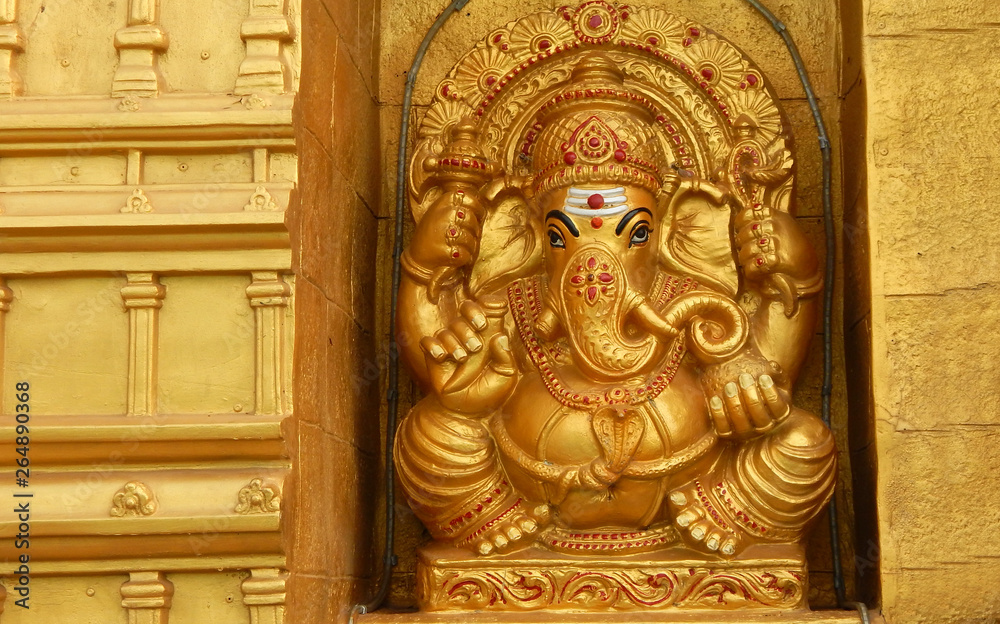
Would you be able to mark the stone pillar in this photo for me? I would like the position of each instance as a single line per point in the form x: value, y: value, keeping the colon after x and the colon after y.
x: 264, y: 595
x: 268, y: 295
x: 6, y: 296
x: 147, y: 597
x: 143, y: 297
x: 11, y: 43
x: 139, y: 45
x: 265, y: 31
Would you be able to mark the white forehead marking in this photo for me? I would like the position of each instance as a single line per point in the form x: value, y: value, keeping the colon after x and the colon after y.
x: 615, y: 202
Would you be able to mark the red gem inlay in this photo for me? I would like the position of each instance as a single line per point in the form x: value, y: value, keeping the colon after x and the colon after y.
x: 594, y: 142
x: 619, y: 155
x: 544, y: 44
x: 606, y: 278
x: 591, y: 263
x: 592, y: 293
x: 595, y: 201
x: 596, y: 222
x: 595, y: 21
x: 569, y: 158
x: 708, y: 73
x: 751, y: 80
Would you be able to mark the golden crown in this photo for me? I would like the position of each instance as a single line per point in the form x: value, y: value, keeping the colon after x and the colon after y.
x: 595, y: 131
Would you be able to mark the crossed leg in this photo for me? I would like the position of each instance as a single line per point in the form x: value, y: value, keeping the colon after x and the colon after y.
x: 448, y: 467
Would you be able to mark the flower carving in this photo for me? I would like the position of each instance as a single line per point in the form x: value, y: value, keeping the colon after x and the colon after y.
x: 137, y: 203
x: 134, y: 499
x: 129, y: 104
x: 258, y: 498
x: 592, y: 280
x: 654, y: 27
x: 261, y: 200
x: 539, y: 32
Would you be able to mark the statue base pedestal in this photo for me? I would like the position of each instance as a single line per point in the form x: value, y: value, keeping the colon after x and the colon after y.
x: 764, y: 577
x: 634, y: 617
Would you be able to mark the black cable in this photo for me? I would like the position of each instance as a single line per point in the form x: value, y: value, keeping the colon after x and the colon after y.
x: 392, y: 391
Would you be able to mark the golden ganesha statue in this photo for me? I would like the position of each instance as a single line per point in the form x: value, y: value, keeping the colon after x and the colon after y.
x: 607, y: 300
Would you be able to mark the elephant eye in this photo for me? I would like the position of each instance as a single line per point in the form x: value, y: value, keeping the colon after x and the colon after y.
x: 556, y: 240
x: 640, y: 235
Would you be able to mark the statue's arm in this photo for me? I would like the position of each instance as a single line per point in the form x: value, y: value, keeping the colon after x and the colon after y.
x: 780, y: 269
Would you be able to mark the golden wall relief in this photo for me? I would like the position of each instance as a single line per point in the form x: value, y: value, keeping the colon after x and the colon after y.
x: 147, y: 298
x: 608, y: 301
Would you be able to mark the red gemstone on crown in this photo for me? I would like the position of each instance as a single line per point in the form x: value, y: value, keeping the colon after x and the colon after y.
x: 544, y: 44
x: 595, y: 21
x: 594, y: 142
x: 569, y: 158
x: 619, y: 155
x: 752, y: 80
x: 708, y: 73
x: 595, y: 201
x: 490, y: 80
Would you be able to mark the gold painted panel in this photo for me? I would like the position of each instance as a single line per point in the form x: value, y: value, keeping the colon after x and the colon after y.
x: 197, y: 168
x: 70, y: 46
x: 208, y: 599
x: 69, y: 338
x: 77, y: 166
x: 205, y: 46
x: 206, y: 346
x: 78, y: 599
x: 284, y: 167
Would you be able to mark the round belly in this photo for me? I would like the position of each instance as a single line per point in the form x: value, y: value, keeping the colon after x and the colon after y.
x: 550, y: 438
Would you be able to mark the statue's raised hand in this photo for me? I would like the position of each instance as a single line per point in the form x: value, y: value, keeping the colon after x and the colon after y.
x: 775, y: 255
x: 446, y: 239
x: 470, y: 362
x: 748, y: 408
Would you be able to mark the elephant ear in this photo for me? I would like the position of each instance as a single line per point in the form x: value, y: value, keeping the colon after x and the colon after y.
x: 696, y: 240
x: 509, y: 247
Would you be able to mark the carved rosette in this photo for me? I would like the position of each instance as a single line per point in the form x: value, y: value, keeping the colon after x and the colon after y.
x: 137, y: 203
x: 707, y: 94
x: 135, y: 499
x: 573, y: 585
x: 261, y: 200
x: 257, y: 498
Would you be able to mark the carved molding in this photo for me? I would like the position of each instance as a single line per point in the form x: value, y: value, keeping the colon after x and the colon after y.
x: 538, y: 580
x: 268, y: 294
x: 6, y: 296
x: 3, y: 599
x: 257, y: 498
x: 147, y: 597
x: 132, y: 500
x: 143, y: 297
x: 139, y: 45
x: 264, y: 595
x: 11, y: 44
x: 265, y: 68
